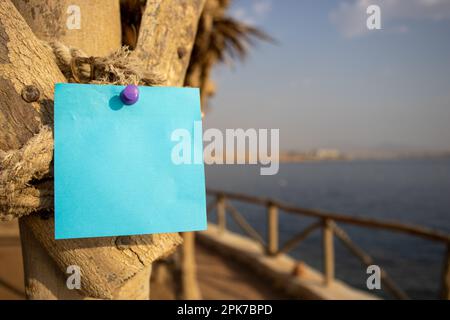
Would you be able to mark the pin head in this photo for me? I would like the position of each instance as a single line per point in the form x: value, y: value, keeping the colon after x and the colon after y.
x: 130, y: 94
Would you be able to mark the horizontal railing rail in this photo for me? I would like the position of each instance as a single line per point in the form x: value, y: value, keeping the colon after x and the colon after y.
x: 328, y: 223
x: 423, y: 232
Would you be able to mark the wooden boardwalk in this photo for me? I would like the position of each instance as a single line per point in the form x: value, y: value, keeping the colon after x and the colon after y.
x: 219, y: 278
x: 11, y: 269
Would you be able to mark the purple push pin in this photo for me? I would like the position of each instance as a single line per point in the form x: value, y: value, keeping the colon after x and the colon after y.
x: 130, y: 94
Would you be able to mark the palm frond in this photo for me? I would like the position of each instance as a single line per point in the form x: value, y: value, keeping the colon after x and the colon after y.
x: 237, y: 37
x: 220, y: 38
x: 131, y: 15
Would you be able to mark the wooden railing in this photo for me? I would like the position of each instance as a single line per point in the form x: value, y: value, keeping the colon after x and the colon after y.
x: 330, y: 229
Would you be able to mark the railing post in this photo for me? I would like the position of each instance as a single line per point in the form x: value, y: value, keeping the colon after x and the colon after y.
x: 272, y: 229
x: 445, y: 295
x: 189, y: 283
x: 221, y: 218
x: 328, y: 251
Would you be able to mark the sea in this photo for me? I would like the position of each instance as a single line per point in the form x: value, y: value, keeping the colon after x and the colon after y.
x: 413, y: 191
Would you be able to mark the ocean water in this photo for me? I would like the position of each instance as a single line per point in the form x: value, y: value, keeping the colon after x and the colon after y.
x: 414, y: 191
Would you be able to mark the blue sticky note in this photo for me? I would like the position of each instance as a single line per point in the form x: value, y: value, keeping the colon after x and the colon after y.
x: 114, y: 172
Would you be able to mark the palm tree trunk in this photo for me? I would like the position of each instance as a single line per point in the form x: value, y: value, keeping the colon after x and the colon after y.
x: 165, y: 45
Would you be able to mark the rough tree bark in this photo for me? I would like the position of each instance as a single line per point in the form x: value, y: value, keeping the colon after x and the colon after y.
x: 166, y: 38
x: 43, y: 279
x: 111, y: 267
x: 99, y: 31
x: 23, y: 61
x: 107, y: 264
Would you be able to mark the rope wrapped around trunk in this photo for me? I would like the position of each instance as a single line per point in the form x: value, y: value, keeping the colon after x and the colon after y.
x: 26, y: 175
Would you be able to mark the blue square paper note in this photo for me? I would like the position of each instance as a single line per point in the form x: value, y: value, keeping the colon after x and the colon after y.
x: 114, y: 172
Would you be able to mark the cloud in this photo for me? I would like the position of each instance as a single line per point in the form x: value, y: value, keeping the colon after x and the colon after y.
x: 262, y: 7
x: 350, y: 17
x: 255, y: 13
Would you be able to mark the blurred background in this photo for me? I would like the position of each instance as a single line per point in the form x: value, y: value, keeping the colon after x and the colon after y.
x: 364, y: 128
x: 380, y: 99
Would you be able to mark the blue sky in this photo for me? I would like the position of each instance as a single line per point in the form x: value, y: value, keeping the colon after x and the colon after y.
x: 331, y: 82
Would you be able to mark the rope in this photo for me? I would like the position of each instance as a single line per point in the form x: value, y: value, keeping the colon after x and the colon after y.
x: 18, y: 196
x: 26, y: 174
x: 119, y: 68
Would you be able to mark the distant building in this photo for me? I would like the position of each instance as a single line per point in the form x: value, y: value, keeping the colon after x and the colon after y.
x: 327, y: 154
x: 313, y: 155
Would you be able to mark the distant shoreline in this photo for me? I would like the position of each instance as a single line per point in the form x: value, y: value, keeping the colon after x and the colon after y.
x: 290, y: 159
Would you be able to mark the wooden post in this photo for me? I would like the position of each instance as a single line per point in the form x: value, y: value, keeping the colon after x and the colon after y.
x: 189, y: 283
x: 328, y: 251
x: 445, y: 294
x: 272, y: 229
x: 221, y: 214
